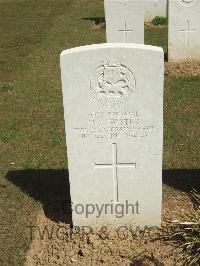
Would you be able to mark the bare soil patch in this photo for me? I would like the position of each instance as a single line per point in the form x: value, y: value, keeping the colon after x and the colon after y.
x: 151, y: 25
x: 123, y: 246
x: 182, y: 69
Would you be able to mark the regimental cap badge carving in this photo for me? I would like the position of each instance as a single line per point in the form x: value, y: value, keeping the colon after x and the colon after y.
x: 187, y: 3
x: 112, y: 83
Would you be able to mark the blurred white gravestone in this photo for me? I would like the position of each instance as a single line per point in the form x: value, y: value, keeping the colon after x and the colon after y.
x: 113, y: 108
x: 124, y: 21
x: 153, y: 8
x: 184, y: 30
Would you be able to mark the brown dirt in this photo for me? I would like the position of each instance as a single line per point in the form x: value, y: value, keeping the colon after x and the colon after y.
x: 99, y: 25
x: 115, y: 247
x: 151, y: 25
x: 182, y: 69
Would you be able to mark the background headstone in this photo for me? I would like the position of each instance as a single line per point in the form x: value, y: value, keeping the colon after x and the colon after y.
x: 124, y: 21
x: 184, y: 30
x: 153, y: 8
x: 113, y: 105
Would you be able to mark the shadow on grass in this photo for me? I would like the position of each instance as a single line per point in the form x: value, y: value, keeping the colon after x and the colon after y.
x: 182, y: 179
x: 166, y: 56
x: 96, y: 20
x: 50, y: 187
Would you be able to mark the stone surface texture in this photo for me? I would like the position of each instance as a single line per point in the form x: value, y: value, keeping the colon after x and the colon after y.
x: 184, y: 30
x: 153, y: 8
x: 113, y: 109
x: 124, y: 21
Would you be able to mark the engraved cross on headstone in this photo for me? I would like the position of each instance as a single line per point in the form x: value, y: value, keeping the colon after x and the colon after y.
x: 115, y: 165
x: 125, y: 30
x: 187, y: 32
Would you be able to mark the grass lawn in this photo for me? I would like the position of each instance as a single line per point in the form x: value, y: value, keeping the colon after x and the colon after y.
x: 32, y: 139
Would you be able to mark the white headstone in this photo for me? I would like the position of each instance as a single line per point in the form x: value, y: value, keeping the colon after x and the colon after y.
x: 184, y: 30
x: 113, y: 106
x: 154, y: 8
x: 124, y: 21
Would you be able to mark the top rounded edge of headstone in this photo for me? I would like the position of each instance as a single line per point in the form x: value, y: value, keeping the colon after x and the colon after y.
x: 111, y: 45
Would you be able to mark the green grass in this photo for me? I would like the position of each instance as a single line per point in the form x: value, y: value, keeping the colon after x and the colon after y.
x: 181, y: 122
x: 156, y: 36
x: 159, y: 21
x: 31, y: 118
